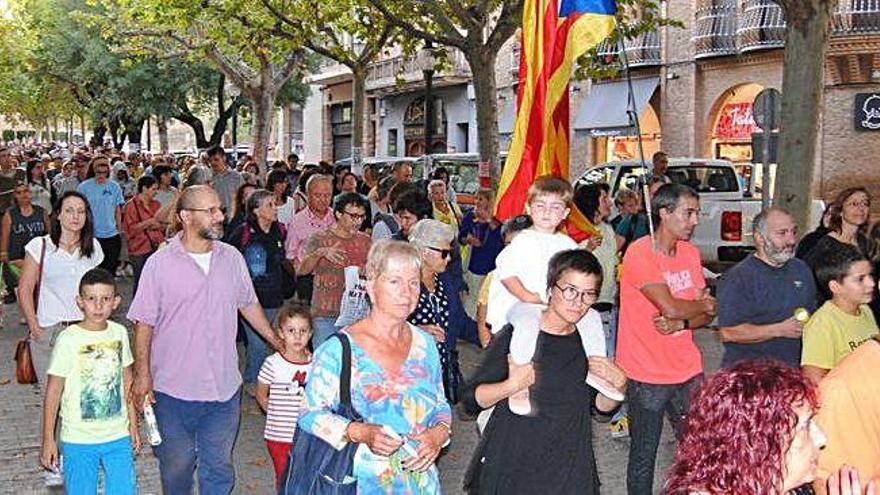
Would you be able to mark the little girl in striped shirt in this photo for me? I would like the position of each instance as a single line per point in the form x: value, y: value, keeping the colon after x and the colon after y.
x: 281, y: 380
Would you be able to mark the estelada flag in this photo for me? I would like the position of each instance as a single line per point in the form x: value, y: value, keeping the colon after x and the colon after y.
x: 554, y: 35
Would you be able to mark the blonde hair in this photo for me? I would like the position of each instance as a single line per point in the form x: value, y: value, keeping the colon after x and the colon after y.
x: 550, y: 185
x: 486, y: 194
x: 383, y: 251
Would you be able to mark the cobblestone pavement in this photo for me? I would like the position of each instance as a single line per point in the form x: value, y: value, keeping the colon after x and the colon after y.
x: 20, y: 429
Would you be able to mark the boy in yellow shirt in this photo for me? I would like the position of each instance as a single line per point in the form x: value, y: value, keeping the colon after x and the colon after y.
x: 845, y: 321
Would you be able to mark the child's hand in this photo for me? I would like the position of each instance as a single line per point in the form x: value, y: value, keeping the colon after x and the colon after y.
x: 49, y: 455
x: 135, y: 438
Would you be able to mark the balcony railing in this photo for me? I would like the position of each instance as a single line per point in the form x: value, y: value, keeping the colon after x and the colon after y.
x: 388, y: 73
x: 760, y: 25
x: 641, y: 51
x: 715, y: 30
x: 854, y: 17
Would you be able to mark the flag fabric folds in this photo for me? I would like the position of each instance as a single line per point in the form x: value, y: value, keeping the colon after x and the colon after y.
x: 554, y: 35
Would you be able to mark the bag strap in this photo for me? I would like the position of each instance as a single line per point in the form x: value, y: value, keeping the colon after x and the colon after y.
x: 345, y: 371
x: 39, y: 275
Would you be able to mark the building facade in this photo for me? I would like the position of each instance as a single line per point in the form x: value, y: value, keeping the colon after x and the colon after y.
x: 692, y: 90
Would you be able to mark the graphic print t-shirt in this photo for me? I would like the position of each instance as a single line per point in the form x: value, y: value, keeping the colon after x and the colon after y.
x: 286, y: 381
x: 93, y: 403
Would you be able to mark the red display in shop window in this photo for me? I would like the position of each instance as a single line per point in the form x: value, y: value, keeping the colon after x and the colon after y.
x: 736, y: 122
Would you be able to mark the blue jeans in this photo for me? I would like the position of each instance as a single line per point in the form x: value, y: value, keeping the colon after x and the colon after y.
x: 324, y: 329
x: 82, y: 462
x: 647, y: 403
x: 256, y: 347
x: 192, y: 431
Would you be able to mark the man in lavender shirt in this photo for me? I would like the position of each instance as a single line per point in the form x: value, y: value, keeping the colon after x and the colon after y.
x: 317, y: 217
x: 186, y: 363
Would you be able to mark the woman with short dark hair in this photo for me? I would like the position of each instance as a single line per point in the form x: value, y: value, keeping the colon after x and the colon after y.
x: 548, y: 450
x: 260, y: 238
x: 142, y: 224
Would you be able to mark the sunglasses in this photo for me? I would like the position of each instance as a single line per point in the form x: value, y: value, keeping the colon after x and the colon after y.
x: 444, y: 253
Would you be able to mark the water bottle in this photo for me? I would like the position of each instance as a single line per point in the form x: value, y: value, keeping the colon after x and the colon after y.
x: 153, y: 436
x: 55, y: 477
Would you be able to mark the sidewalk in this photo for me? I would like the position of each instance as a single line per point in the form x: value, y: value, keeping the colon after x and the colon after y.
x: 20, y: 416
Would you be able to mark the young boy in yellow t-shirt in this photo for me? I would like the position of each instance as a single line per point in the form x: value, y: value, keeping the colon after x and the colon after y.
x: 845, y: 321
x: 88, y: 377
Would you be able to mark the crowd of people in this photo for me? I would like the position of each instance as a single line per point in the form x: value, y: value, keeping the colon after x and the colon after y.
x: 351, y: 289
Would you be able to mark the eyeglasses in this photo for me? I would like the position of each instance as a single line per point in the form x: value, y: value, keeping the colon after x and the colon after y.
x: 571, y: 294
x: 444, y: 253
x: 355, y: 216
x: 212, y: 210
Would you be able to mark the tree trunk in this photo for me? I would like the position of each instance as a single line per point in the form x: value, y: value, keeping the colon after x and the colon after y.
x: 806, y: 40
x: 185, y: 116
x: 163, y: 134
x: 222, y: 120
x: 98, y: 133
x: 134, y: 130
x: 82, y: 128
x: 358, y: 107
x: 487, y: 111
x: 263, y: 106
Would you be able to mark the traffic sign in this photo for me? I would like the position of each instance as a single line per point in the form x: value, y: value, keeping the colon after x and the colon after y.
x: 767, y: 108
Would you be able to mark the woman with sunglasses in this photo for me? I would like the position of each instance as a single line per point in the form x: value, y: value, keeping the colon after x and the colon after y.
x: 434, y: 240
x: 549, y: 450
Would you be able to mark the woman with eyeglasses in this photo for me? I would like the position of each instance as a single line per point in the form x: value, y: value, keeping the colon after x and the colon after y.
x: 261, y: 241
x: 434, y: 240
x: 549, y: 450
x: 326, y: 255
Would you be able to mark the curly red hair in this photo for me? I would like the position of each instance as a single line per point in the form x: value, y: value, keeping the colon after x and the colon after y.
x: 738, y: 430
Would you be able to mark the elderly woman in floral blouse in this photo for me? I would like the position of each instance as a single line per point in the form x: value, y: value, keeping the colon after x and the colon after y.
x: 396, y: 383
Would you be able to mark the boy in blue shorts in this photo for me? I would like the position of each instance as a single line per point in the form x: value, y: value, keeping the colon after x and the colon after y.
x: 88, y: 377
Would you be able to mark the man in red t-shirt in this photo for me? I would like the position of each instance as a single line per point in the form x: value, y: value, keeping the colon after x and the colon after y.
x: 662, y: 298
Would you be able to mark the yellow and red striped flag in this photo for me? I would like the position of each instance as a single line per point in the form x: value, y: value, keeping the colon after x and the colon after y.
x: 554, y: 35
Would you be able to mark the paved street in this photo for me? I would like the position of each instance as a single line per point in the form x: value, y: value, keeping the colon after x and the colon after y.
x: 20, y: 426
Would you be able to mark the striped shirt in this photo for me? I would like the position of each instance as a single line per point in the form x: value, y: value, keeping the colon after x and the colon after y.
x: 286, y: 382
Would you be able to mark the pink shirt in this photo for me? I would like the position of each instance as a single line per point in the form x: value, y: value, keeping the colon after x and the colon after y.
x: 195, y: 320
x: 645, y: 354
x: 302, y: 226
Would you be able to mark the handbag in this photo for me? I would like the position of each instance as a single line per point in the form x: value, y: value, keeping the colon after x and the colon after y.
x: 314, y: 467
x: 24, y: 363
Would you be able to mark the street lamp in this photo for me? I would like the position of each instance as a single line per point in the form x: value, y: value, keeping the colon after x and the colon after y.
x: 427, y: 60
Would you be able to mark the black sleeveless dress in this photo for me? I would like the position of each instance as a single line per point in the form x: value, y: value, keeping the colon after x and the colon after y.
x: 550, y: 451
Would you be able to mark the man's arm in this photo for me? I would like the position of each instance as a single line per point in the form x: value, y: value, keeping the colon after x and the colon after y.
x: 747, y: 333
x: 142, y: 386
x: 679, y: 309
x: 254, y: 315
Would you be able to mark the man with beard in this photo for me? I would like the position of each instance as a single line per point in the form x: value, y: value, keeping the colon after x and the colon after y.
x: 758, y: 297
x: 663, y: 298
x: 186, y: 363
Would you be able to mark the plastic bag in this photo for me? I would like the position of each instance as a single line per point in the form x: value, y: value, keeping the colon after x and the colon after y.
x: 355, y: 304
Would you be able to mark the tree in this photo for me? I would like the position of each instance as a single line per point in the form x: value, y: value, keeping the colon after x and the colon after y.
x: 478, y: 29
x: 806, y: 41
x: 349, y: 32
x: 234, y: 37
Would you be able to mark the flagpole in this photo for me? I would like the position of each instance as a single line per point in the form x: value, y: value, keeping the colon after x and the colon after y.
x: 633, y: 114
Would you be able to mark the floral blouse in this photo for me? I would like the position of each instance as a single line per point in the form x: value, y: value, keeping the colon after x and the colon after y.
x: 408, y: 401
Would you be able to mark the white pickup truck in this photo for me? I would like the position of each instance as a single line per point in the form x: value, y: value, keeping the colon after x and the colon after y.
x: 727, y: 205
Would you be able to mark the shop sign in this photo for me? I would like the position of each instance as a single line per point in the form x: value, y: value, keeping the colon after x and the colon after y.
x: 867, y: 112
x: 736, y: 122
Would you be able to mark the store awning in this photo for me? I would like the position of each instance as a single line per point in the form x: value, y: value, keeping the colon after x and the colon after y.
x: 604, y: 111
x: 507, y: 116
